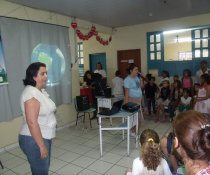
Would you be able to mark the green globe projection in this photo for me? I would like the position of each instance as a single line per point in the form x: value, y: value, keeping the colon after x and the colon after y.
x: 52, y: 56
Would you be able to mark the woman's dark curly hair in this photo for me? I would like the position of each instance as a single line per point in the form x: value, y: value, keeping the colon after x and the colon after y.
x: 150, y: 149
x: 32, y: 72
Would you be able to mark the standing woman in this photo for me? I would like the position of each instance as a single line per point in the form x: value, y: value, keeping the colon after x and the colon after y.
x: 39, y: 122
x: 202, y: 101
x: 192, y: 141
x: 133, y: 92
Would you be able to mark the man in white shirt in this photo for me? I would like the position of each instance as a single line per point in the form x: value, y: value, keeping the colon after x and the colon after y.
x: 117, y: 85
x: 203, y: 70
x: 100, y: 70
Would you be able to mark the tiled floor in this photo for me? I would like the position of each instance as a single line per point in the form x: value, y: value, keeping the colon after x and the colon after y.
x: 77, y: 151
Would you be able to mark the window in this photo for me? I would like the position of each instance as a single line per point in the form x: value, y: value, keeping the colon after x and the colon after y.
x: 176, y: 50
x: 3, y: 73
x: 80, y: 59
x: 155, y: 46
x: 201, y: 43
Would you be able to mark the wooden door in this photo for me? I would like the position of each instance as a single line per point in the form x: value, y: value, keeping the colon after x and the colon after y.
x: 125, y: 57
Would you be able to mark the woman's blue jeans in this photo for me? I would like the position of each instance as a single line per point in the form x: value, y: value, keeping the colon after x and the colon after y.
x: 31, y: 150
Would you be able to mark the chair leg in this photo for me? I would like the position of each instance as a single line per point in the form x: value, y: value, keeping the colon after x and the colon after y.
x: 1, y: 165
x: 77, y: 118
x: 90, y: 120
x: 84, y: 118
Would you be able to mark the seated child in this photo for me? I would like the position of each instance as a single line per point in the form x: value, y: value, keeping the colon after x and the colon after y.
x: 185, y: 101
x: 176, y: 93
x: 163, y: 101
x: 150, y: 162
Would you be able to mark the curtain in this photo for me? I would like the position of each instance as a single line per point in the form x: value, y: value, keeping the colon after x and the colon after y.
x: 25, y: 42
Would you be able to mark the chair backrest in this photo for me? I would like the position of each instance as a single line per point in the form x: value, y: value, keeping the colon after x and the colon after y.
x: 82, y: 103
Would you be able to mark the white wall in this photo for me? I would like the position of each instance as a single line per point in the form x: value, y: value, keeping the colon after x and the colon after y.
x: 131, y: 37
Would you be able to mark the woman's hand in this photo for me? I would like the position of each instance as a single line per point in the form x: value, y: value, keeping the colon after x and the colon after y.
x: 43, y: 152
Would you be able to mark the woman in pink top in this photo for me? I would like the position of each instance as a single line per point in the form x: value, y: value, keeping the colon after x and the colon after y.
x: 187, y: 82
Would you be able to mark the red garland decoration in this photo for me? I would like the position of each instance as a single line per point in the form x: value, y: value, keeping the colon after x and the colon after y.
x: 91, y: 33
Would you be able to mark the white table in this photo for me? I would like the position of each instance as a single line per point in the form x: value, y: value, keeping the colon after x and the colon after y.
x: 126, y: 116
x: 103, y: 102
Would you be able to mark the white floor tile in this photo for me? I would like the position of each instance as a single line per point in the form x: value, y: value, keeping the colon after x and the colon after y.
x: 83, y: 161
x: 69, y: 157
x: 22, y: 169
x: 5, y: 156
x: 116, y: 170
x: 56, y: 152
x: 110, y: 157
x: 16, y: 151
x: 88, y: 172
x: 69, y: 169
x: 56, y: 164
x: 9, y: 173
x: 14, y: 162
x: 100, y: 166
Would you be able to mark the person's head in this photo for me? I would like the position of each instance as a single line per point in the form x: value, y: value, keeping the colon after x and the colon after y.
x: 99, y: 66
x: 205, y: 78
x: 175, y: 77
x: 177, y: 84
x: 88, y: 75
x: 150, y: 149
x: 165, y: 74
x: 204, y: 65
x: 117, y: 73
x: 152, y: 80
x: 132, y: 70
x: 165, y: 83
x: 148, y: 77
x: 186, y: 93
x: 187, y: 73
x: 36, y: 75
x: 192, y: 135
x: 196, y: 87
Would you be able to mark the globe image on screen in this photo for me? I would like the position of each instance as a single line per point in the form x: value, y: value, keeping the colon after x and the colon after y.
x: 52, y: 56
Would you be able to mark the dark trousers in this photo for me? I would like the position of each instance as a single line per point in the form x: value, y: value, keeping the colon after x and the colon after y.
x: 151, y: 103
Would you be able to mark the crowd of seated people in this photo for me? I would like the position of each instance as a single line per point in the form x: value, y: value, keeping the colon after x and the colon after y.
x: 181, y: 95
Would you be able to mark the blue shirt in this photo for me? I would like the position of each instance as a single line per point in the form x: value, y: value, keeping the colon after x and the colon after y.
x: 133, y: 86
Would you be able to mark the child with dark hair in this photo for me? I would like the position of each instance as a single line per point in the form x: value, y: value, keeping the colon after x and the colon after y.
x: 176, y: 94
x: 150, y: 161
x: 150, y: 89
x: 164, y: 77
x: 185, y: 101
x: 187, y: 81
x: 163, y: 101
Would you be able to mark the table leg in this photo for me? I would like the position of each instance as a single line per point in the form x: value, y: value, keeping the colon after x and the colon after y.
x: 128, y: 135
x: 1, y: 165
x: 123, y: 132
x: 137, y: 127
x: 100, y: 135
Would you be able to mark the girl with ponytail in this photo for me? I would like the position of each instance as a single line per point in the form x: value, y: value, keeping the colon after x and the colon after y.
x: 150, y: 161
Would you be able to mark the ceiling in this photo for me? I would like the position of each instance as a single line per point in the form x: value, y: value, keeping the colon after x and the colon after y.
x: 119, y: 13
